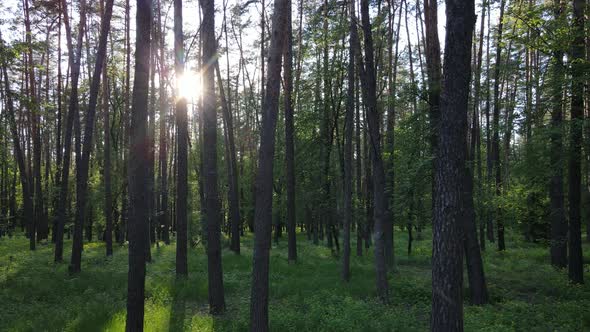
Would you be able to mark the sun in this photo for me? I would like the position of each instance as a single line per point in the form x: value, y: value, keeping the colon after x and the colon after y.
x: 189, y: 86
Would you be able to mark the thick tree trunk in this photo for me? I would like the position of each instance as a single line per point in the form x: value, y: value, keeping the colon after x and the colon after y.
x: 447, y: 256
x: 264, y: 176
x: 575, y: 261
x: 212, y: 203
x: 138, y: 173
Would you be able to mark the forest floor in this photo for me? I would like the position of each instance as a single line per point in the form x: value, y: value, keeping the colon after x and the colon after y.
x: 526, y: 292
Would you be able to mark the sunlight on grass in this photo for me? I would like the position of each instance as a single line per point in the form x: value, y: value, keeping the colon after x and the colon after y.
x: 37, y: 295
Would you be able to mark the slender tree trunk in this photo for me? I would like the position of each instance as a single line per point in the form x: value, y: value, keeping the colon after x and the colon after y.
x: 326, y: 217
x: 108, y: 194
x: 138, y: 173
x: 126, y: 125
x: 36, y: 189
x: 74, y: 62
x: 264, y: 176
x: 289, y: 138
x: 348, y: 129
x: 477, y: 282
x: 495, y: 156
x: 489, y: 168
x: 433, y: 66
x: 476, y: 130
x: 163, y: 145
x: 58, y: 135
x: 558, y: 221
x: 182, y: 149
x: 82, y: 177
x: 381, y: 207
x: 360, y: 225
x: 447, y: 256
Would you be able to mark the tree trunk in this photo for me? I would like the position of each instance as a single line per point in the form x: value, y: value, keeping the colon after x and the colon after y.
x: 34, y: 118
x: 495, y: 156
x: 476, y: 130
x: 447, y: 255
x: 348, y: 129
x: 381, y: 212
x: 74, y: 63
x: 575, y: 261
x: 182, y: 149
x: 558, y: 221
x: 138, y: 173
x: 82, y: 177
x: 108, y: 195
x: 163, y: 145
x: 212, y: 203
x: 289, y: 139
x: 264, y: 176
x: 433, y: 66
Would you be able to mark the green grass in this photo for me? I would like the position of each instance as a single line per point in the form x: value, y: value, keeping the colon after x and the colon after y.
x: 38, y: 295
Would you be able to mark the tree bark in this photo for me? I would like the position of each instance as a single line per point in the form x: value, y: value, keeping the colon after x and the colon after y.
x: 495, y: 153
x: 348, y: 130
x: 163, y: 145
x: 447, y: 256
x: 34, y: 119
x: 264, y: 176
x: 138, y: 173
x: 212, y: 203
x: 74, y: 63
x: 381, y: 213
x: 575, y: 261
x: 289, y: 139
x: 108, y: 194
x: 182, y: 149
x: 558, y: 249
x: 82, y: 177
x: 476, y: 130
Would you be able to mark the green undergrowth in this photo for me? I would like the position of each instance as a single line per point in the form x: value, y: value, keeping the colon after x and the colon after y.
x: 38, y: 295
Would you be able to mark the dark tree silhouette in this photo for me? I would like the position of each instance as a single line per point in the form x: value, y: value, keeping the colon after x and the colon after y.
x: 137, y: 172
x: 447, y: 253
